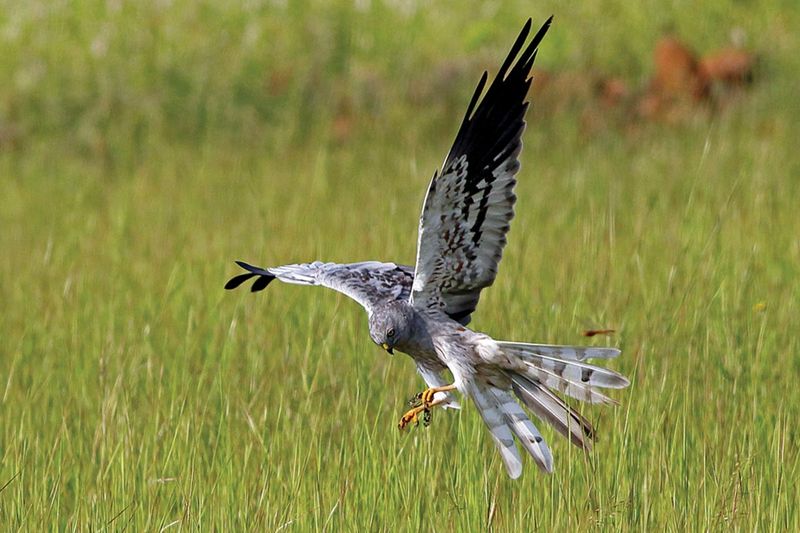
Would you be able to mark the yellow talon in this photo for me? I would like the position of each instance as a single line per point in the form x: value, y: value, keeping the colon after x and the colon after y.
x: 427, y: 396
x: 422, y: 403
x: 411, y: 416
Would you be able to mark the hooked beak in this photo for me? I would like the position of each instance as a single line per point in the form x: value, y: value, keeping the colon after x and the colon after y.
x: 388, y: 349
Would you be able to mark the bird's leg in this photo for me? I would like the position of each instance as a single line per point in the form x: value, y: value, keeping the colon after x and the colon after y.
x: 426, y: 397
x: 422, y: 404
x: 413, y: 415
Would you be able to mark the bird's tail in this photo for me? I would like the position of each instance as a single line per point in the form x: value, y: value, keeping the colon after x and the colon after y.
x: 546, y: 369
x: 562, y: 368
x: 506, y: 419
x: 543, y: 370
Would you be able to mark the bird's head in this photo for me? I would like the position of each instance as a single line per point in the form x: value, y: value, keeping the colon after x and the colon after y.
x: 391, y: 325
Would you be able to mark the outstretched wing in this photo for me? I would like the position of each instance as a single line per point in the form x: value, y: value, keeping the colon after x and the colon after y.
x: 470, y: 201
x: 369, y: 283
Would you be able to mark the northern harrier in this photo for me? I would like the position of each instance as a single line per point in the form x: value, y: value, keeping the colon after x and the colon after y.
x: 423, y: 311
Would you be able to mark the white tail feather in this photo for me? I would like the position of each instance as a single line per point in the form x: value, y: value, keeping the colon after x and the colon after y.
x: 554, y: 411
x: 523, y: 428
x: 489, y: 409
x: 579, y: 391
x: 506, y: 419
x: 570, y: 369
x: 567, y: 353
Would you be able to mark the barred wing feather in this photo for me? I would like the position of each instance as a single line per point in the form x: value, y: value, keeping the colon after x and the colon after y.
x: 470, y: 201
x: 370, y: 283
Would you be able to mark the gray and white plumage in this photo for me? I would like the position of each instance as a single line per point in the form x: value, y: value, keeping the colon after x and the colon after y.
x: 423, y: 310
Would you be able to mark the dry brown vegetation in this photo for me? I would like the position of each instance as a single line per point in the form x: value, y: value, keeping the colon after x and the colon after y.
x: 682, y: 84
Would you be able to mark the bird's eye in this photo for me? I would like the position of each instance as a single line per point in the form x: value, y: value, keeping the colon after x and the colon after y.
x: 390, y: 333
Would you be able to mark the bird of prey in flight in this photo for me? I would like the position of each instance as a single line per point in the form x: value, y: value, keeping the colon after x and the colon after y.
x: 424, y: 310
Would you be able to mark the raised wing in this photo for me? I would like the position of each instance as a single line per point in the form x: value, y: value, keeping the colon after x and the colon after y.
x: 470, y: 201
x: 369, y: 283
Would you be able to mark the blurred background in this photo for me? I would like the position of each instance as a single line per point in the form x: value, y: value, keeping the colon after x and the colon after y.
x: 112, y: 80
x: 146, y: 145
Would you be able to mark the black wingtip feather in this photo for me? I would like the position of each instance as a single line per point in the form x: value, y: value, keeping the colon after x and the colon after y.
x: 530, y: 53
x: 491, y: 114
x: 475, y: 96
x: 237, y: 280
x: 261, y: 283
x: 515, y: 48
x: 254, y: 269
x: 264, y: 277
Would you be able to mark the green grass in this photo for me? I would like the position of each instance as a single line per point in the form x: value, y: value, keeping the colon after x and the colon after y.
x: 137, y: 394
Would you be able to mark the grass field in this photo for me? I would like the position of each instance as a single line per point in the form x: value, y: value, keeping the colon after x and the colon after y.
x: 148, y: 145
